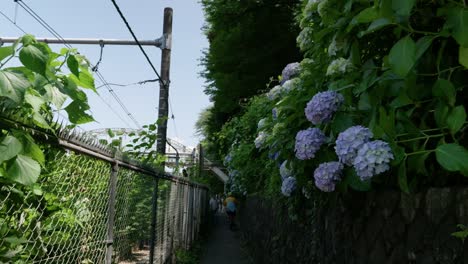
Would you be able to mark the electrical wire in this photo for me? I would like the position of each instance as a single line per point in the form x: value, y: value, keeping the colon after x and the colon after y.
x: 129, y: 84
x: 9, y: 19
x: 100, y: 76
x: 138, y: 42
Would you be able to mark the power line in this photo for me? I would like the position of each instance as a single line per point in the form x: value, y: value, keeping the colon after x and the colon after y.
x: 129, y: 84
x: 100, y: 76
x: 9, y: 19
x: 138, y: 42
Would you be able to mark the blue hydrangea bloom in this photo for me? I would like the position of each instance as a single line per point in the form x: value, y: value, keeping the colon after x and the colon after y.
x: 372, y: 158
x: 233, y: 173
x: 288, y: 186
x: 327, y: 174
x: 322, y: 106
x: 274, y: 113
x: 284, y: 171
x: 227, y: 159
x: 273, y: 156
x: 275, y: 92
x: 291, y: 70
x: 350, y: 141
x: 308, y: 142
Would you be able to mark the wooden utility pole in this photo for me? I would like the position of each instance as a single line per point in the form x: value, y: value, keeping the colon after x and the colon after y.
x: 162, y: 118
x: 164, y: 84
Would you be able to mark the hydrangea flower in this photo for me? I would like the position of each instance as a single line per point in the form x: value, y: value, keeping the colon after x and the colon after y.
x: 227, y: 159
x: 327, y: 174
x: 274, y: 113
x: 339, y: 66
x: 284, y: 171
x: 260, y: 140
x: 261, y: 124
x: 291, y: 70
x: 233, y: 174
x: 350, y: 141
x: 308, y: 142
x: 278, y: 128
x: 288, y: 186
x: 273, y: 156
x: 322, y: 106
x: 290, y: 85
x: 274, y: 93
x: 372, y: 158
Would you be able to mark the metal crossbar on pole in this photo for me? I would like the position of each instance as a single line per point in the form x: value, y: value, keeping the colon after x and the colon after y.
x: 160, y: 42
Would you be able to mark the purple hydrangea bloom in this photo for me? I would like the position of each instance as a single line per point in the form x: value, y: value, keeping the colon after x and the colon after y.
x: 308, y: 142
x: 322, y: 106
x: 327, y: 174
x: 291, y: 70
x: 350, y: 141
x: 372, y: 158
x: 284, y: 171
x: 288, y: 186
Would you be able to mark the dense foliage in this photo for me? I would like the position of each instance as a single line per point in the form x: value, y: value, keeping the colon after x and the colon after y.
x: 377, y: 102
x: 250, y: 41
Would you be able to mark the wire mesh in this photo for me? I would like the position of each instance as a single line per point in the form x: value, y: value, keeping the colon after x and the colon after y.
x: 65, y: 217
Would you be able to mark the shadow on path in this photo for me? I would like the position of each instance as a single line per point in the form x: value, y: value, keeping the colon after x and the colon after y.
x: 223, y: 245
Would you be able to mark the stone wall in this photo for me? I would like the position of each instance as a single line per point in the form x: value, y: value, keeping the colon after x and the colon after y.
x: 383, y: 227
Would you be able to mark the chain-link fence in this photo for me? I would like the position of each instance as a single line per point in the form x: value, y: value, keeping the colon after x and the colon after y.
x: 90, y: 207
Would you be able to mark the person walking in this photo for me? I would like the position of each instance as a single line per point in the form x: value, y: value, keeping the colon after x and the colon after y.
x: 213, y: 208
x: 230, y: 205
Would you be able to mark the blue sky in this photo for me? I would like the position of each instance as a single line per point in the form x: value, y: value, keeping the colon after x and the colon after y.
x: 126, y: 64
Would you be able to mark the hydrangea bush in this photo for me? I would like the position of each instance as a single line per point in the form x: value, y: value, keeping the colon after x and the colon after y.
x: 382, y: 97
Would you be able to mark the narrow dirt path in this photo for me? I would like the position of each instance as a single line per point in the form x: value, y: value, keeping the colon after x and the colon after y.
x: 223, y: 245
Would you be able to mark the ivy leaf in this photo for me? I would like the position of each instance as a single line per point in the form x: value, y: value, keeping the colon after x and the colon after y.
x: 13, y: 85
x: 457, y: 21
x: 24, y: 170
x: 6, y: 52
x: 456, y: 119
x: 77, y: 112
x: 463, y: 56
x: 54, y: 96
x: 402, y: 178
x: 403, y: 56
x: 403, y: 7
x: 73, y: 65
x: 453, y: 157
x: 445, y: 90
x: 9, y: 148
x: 34, y: 57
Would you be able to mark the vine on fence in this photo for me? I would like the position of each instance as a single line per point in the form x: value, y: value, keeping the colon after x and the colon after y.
x: 377, y: 101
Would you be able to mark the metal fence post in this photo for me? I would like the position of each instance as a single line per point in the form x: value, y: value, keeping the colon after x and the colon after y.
x: 111, y: 211
x: 154, y: 214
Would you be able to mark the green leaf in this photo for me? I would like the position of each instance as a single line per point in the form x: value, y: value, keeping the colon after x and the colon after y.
x: 355, y: 182
x: 445, y: 90
x: 365, y: 16
x: 457, y: 21
x: 9, y: 148
x: 24, y: 170
x: 463, y: 56
x: 453, y: 157
x: 14, y: 241
x: 375, y: 25
x: 40, y: 121
x: 77, y: 113
x: 54, y: 96
x: 403, y: 56
x: 403, y: 7
x: 456, y: 119
x: 6, y: 52
x: 35, y: 101
x: 440, y: 114
x: 13, y: 85
x: 34, y: 57
x: 27, y: 39
x: 402, y: 178
x: 73, y: 65
x: 86, y: 80
x: 422, y: 45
